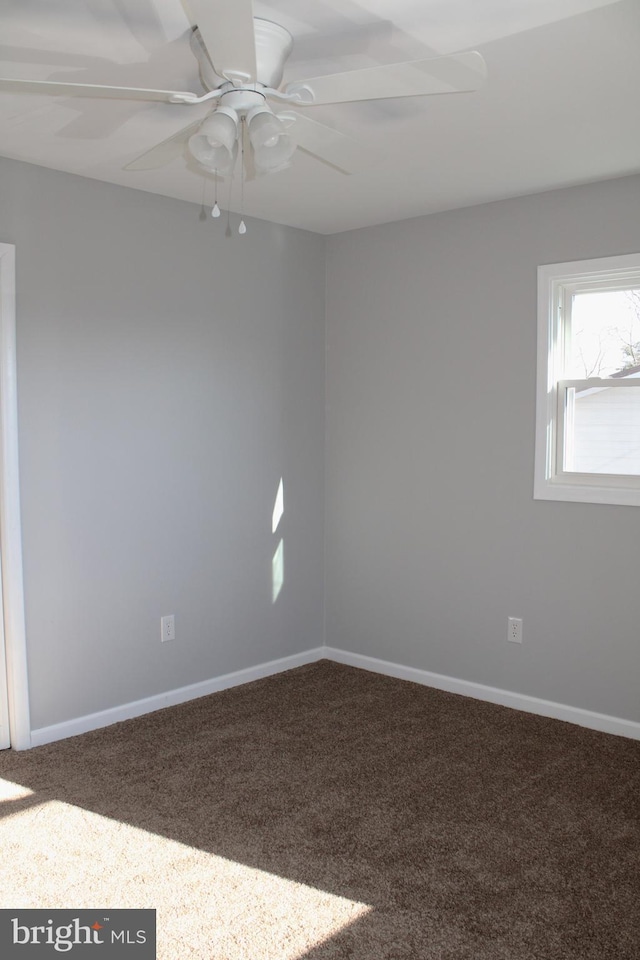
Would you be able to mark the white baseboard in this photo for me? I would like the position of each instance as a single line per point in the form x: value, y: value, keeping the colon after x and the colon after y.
x: 518, y: 701
x: 93, y: 721
x: 478, y: 691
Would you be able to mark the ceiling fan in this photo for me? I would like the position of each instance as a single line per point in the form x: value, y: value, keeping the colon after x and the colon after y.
x: 241, y: 61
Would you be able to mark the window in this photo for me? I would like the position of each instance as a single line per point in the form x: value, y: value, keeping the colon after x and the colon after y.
x: 588, y: 392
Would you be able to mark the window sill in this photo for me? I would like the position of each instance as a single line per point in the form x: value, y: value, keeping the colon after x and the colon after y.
x: 591, y: 492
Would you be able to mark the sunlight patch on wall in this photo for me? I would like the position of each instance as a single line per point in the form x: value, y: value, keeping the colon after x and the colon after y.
x: 277, y: 571
x: 277, y: 561
x: 58, y: 855
x: 278, y: 508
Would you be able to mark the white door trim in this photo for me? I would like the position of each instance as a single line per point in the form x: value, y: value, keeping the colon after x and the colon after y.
x: 10, y: 525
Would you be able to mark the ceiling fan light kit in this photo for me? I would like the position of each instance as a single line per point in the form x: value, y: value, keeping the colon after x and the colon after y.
x: 245, y: 100
x: 241, y: 62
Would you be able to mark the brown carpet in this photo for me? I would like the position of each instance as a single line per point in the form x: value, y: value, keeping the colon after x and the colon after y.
x: 329, y: 812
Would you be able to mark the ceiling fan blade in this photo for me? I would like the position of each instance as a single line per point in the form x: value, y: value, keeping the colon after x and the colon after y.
x: 228, y: 34
x: 95, y: 122
x: 56, y: 89
x: 50, y: 58
x: 325, y: 143
x: 164, y: 152
x: 350, y: 39
x: 143, y: 21
x: 458, y: 73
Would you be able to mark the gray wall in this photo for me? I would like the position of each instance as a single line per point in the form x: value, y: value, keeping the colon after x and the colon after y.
x: 168, y: 377
x: 432, y: 537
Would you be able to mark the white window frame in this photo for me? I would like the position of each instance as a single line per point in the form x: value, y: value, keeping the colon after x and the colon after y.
x: 557, y: 283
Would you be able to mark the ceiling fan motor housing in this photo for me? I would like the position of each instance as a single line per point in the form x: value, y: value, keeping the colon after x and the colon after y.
x: 273, y: 46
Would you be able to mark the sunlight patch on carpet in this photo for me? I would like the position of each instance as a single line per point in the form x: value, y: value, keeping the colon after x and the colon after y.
x: 13, y: 791
x: 57, y: 855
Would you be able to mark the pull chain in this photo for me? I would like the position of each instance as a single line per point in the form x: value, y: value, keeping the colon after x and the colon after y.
x: 227, y: 230
x: 215, y: 210
x: 242, y: 229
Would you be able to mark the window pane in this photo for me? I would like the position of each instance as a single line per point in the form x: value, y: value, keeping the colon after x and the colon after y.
x: 605, y: 334
x: 603, y: 431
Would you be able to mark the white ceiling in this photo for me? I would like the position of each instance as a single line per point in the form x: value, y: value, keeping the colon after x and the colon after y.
x: 560, y: 107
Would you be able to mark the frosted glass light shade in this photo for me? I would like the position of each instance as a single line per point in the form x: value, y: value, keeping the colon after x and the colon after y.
x: 215, y: 145
x: 272, y: 145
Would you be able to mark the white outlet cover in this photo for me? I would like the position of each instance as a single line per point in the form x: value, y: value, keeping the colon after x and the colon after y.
x: 514, y: 630
x: 167, y: 628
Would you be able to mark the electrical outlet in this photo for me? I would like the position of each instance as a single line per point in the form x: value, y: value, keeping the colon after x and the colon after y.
x: 514, y: 630
x: 167, y: 628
